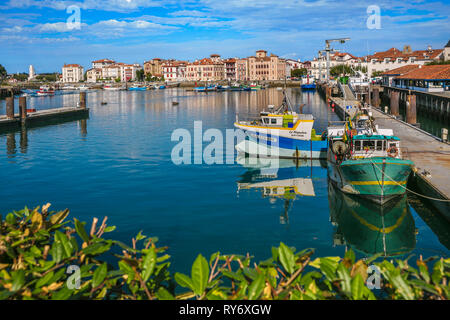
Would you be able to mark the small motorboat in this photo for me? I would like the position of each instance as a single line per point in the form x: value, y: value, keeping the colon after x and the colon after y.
x: 45, y: 91
x: 175, y: 103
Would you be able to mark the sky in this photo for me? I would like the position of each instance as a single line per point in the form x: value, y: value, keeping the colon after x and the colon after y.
x: 48, y: 33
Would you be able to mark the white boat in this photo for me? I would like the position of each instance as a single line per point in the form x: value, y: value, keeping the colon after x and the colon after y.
x: 111, y: 88
x: 282, y: 133
x: 68, y: 87
x: 83, y: 87
x: 45, y: 91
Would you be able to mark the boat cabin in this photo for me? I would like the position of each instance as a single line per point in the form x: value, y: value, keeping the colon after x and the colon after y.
x: 287, y: 120
x: 375, y: 146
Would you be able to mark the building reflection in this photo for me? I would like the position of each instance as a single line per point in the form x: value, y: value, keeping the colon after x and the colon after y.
x: 285, y: 180
x: 370, y: 228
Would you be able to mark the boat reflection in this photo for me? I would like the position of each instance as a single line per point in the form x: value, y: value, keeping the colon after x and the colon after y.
x: 370, y: 228
x: 280, y: 179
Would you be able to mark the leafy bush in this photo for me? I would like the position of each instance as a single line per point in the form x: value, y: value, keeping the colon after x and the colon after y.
x: 43, y: 256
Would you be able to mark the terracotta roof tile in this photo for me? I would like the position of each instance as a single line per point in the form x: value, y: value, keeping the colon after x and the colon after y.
x: 438, y: 72
x: 401, y: 70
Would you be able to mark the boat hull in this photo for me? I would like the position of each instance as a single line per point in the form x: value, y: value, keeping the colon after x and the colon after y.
x: 300, y: 149
x: 378, y: 179
x: 308, y: 86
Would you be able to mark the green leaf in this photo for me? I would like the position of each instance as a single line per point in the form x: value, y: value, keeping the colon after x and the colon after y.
x: 286, y: 257
x: 99, y: 275
x: 256, y: 287
x: 345, y: 278
x: 59, y: 217
x: 200, y: 274
x: 44, y: 280
x: 350, y: 255
x: 79, y: 227
x: 163, y: 294
x: 18, y: 280
x: 184, y: 281
x: 148, y: 264
x: 67, y: 246
x: 357, y: 287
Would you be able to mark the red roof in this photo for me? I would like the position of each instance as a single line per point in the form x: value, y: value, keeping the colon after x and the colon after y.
x: 103, y: 60
x: 394, y: 53
x: 433, y: 72
x: 72, y: 66
x: 401, y: 70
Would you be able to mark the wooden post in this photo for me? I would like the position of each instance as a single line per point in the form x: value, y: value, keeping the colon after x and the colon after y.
x: 23, y: 108
x: 411, y: 110
x: 367, y: 97
x: 394, y: 103
x: 376, y: 97
x: 10, y: 107
x: 83, y: 100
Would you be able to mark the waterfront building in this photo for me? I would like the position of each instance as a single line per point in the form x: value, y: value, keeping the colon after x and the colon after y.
x: 446, y: 53
x: 231, y: 69
x: 31, y: 73
x: 207, y: 69
x: 388, y: 76
x: 432, y: 78
x: 319, y: 64
x: 263, y: 67
x: 154, y: 67
x: 99, y: 64
x: 293, y: 65
x: 395, y: 58
x: 242, y: 70
x: 94, y: 75
x: 174, y: 71
x: 72, y: 73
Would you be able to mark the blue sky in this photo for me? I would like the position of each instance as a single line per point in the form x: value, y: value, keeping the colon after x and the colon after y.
x: 36, y: 31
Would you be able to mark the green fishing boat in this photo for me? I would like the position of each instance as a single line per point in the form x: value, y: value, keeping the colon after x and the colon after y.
x: 366, y: 160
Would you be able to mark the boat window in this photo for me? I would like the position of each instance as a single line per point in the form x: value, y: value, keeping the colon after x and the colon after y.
x: 369, y: 145
x: 274, y: 121
x: 266, y: 120
x: 392, y: 145
x: 357, y: 145
x: 379, y: 145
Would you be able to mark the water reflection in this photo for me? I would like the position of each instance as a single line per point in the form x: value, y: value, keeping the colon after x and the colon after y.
x: 370, y: 228
x: 11, y: 145
x: 286, y: 180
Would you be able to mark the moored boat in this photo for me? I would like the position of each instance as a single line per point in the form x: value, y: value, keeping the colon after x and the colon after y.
x: 282, y: 133
x: 366, y: 160
x: 46, y: 91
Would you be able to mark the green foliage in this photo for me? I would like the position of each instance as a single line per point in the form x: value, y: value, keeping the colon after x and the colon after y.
x: 376, y: 74
x: 341, y: 70
x: 298, y: 73
x: 47, y: 77
x: 20, y: 76
x: 3, y: 73
x: 438, y: 62
x: 38, y: 246
x: 140, y: 74
x: 148, y: 77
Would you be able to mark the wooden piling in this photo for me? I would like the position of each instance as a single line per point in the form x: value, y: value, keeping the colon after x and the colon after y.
x: 395, y: 111
x: 376, y: 97
x: 23, y: 108
x: 10, y: 107
x: 411, y: 110
x: 83, y: 100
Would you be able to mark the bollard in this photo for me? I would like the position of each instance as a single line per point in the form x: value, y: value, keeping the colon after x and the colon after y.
x: 394, y: 103
x: 10, y: 107
x: 83, y: 100
x: 23, y: 108
x: 411, y: 110
x: 444, y: 134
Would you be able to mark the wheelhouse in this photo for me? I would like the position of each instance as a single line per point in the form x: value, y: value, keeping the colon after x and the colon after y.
x: 375, y: 146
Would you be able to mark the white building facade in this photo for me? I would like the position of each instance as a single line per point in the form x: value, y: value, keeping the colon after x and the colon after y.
x: 72, y: 73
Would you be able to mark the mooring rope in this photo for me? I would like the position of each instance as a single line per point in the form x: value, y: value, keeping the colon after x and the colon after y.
x: 409, y: 190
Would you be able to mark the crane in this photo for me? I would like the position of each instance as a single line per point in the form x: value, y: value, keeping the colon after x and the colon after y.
x: 328, y: 50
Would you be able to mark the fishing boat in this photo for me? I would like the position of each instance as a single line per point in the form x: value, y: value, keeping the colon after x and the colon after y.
x: 137, y: 88
x: 367, y: 161
x: 111, y: 88
x: 83, y: 88
x: 200, y: 89
x: 308, y: 83
x: 255, y: 87
x: 162, y: 87
x: 282, y: 133
x: 45, y: 91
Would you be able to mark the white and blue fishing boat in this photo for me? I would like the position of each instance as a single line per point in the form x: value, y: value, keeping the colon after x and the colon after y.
x: 137, y: 88
x: 282, y: 133
x: 308, y: 83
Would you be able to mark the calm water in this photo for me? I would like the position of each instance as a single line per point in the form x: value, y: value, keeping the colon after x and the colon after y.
x: 118, y: 164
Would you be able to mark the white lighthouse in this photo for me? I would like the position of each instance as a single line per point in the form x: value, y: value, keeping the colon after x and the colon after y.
x: 31, y: 73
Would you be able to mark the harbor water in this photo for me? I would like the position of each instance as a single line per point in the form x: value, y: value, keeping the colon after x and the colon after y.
x: 118, y: 164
